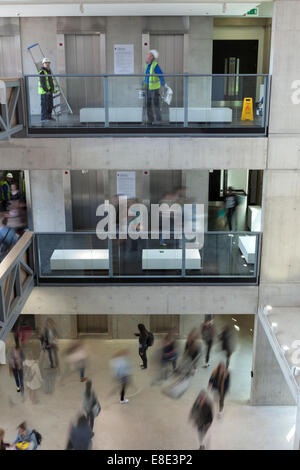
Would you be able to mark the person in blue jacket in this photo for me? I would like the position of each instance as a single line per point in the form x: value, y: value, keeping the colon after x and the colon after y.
x: 152, y: 84
x: 26, y: 435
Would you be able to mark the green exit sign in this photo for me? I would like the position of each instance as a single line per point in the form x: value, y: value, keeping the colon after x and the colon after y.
x: 253, y: 12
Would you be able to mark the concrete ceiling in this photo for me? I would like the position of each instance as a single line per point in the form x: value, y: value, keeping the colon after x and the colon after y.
x: 28, y: 8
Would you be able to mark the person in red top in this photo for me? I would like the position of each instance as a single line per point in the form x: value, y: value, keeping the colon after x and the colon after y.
x: 23, y: 332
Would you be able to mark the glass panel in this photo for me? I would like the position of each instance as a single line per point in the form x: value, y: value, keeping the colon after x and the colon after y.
x: 67, y: 255
x: 223, y: 255
x: 209, y: 104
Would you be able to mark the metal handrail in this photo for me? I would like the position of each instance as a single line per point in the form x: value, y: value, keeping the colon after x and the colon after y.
x: 15, y: 253
x: 213, y: 232
x: 148, y: 75
x: 16, y: 283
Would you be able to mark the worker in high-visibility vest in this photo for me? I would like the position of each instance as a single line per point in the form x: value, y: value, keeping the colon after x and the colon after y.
x: 5, y: 190
x: 152, y: 84
x: 46, y: 89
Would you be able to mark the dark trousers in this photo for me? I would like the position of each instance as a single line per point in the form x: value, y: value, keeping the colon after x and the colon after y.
x: 208, y: 345
x: 18, y: 375
x: 144, y: 358
x: 153, y: 99
x: 230, y: 213
x: 91, y: 419
x: 123, y: 391
x: 54, y: 349
x: 46, y: 106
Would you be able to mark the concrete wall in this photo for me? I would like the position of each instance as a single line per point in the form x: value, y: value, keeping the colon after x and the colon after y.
x: 268, y: 383
x: 137, y: 153
x: 47, y: 200
x: 280, y: 251
x: 144, y: 300
x: 285, y: 68
x: 199, y: 60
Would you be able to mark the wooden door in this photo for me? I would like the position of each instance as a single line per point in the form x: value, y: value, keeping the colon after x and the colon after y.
x: 92, y: 324
x: 164, y: 323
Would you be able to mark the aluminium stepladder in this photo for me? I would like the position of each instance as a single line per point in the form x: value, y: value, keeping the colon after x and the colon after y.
x: 61, y: 105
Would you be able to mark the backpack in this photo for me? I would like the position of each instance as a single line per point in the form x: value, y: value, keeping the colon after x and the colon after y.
x: 38, y: 436
x: 150, y: 339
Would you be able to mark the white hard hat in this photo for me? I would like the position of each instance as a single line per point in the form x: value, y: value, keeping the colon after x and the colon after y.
x: 45, y: 59
x: 155, y: 54
x: 9, y: 175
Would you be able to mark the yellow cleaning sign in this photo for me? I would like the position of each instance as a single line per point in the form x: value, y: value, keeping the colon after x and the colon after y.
x: 247, y: 113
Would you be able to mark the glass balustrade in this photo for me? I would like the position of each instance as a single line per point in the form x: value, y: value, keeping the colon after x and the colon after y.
x: 120, y: 104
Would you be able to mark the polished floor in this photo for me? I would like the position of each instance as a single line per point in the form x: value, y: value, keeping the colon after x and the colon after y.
x: 150, y: 420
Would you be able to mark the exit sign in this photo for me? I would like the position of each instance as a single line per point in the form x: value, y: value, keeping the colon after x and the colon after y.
x: 253, y: 12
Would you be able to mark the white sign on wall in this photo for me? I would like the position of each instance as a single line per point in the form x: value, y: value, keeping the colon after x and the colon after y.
x: 126, y: 184
x: 123, y: 58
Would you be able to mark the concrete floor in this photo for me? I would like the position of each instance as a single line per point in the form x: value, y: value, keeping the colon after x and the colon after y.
x: 150, y: 420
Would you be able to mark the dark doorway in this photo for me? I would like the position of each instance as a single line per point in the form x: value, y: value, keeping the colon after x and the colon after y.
x: 234, y: 56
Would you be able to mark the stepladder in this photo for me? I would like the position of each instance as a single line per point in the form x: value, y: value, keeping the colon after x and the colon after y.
x: 61, y: 104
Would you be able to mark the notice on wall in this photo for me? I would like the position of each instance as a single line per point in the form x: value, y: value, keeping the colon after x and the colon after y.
x: 123, y: 58
x: 126, y: 184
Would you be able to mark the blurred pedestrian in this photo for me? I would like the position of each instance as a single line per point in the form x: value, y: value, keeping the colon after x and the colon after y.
x: 26, y: 438
x: 14, y: 192
x: 23, y: 332
x: 231, y: 203
x: 193, y: 347
x: 5, y: 188
x: 208, y: 333
x: 8, y: 238
x: 121, y: 370
x: 145, y: 340
x: 91, y: 404
x: 219, y: 382
x: 76, y: 357
x: 16, y: 216
x: 33, y: 378
x: 80, y: 437
x: 202, y: 416
x: 16, y: 361
x: 169, y: 353
x: 50, y: 341
x: 227, y: 342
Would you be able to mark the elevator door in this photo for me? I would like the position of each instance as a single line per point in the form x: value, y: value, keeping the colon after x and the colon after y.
x: 83, y: 57
x: 8, y: 57
x: 92, y: 323
x: 164, y: 323
x: 87, y: 190
x: 170, y: 49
